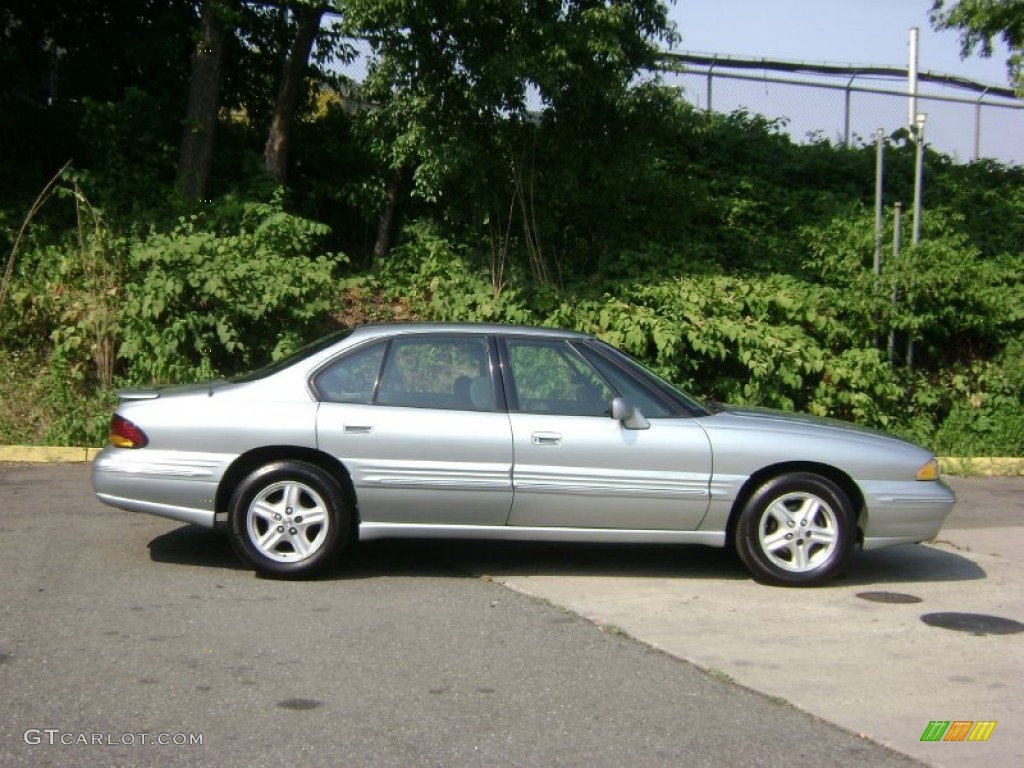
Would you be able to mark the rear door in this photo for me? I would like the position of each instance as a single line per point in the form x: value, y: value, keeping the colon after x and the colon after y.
x: 577, y: 467
x: 422, y: 429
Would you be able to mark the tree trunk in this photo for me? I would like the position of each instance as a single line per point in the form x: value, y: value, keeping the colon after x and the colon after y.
x: 275, y: 154
x: 196, y: 155
x: 387, y: 221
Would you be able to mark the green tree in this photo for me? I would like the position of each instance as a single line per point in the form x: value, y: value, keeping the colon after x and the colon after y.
x: 449, y: 76
x: 65, y: 62
x: 290, y: 89
x: 197, y: 138
x: 980, y: 22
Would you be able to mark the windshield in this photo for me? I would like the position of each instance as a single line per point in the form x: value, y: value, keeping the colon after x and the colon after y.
x: 687, y: 402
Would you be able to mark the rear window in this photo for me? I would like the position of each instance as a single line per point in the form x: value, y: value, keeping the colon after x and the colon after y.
x: 297, y: 356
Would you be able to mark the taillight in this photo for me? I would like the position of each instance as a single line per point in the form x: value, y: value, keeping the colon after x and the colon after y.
x: 929, y: 471
x: 125, y: 434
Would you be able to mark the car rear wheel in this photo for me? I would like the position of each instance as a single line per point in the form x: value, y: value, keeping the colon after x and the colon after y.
x: 796, y: 530
x: 288, y: 519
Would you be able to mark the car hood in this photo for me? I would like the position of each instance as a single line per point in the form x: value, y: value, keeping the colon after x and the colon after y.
x: 788, y: 420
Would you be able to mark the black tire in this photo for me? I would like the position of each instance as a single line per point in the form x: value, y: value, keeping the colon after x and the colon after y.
x: 796, y: 530
x: 288, y: 519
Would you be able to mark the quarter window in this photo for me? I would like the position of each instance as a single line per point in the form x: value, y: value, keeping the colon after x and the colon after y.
x: 353, y: 378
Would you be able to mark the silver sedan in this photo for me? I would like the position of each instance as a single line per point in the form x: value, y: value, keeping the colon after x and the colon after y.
x: 500, y: 432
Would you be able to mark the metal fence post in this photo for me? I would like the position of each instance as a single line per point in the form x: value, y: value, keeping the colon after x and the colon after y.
x: 879, y: 172
x: 977, y: 126
x: 711, y: 70
x: 896, y: 229
x: 846, y: 116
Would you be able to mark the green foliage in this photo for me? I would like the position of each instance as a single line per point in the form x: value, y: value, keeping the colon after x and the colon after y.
x: 82, y: 413
x: 447, y: 77
x: 44, y: 401
x: 131, y: 151
x: 742, y: 339
x: 979, y: 22
x: 996, y: 429
x: 431, y: 278
x: 223, y: 292
x: 735, y: 262
x: 986, y: 416
x: 950, y: 298
x: 67, y: 290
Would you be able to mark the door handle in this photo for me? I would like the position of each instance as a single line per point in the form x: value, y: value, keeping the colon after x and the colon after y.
x: 546, y: 438
x: 356, y: 429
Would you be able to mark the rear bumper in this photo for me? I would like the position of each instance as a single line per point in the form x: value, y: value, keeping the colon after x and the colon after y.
x: 168, y: 484
x: 202, y: 517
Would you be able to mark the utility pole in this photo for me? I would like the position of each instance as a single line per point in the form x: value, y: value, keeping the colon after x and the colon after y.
x: 918, y: 182
x: 915, y: 121
x: 879, y: 172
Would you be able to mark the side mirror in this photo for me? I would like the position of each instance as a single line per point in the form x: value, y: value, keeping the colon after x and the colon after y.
x: 629, y: 415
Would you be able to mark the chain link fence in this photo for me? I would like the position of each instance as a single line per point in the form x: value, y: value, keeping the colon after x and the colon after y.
x: 846, y: 105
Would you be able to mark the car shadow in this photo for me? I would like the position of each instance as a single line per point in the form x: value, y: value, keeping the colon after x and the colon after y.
x: 651, y: 561
x: 896, y: 565
x: 200, y: 547
x: 191, y: 545
x: 907, y: 564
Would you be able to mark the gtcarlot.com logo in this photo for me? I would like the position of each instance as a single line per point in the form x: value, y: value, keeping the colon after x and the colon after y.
x: 958, y: 730
x: 55, y: 736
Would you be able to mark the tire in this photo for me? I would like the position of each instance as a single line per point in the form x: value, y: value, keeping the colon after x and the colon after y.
x: 288, y: 519
x: 797, y: 530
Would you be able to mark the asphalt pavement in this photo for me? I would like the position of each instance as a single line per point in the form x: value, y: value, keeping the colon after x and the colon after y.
x: 872, y: 652
x: 119, y: 631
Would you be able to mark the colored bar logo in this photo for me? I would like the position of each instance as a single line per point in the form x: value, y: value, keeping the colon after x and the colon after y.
x: 958, y: 730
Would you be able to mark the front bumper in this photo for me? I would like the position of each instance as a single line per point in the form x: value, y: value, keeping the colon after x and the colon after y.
x: 905, y: 513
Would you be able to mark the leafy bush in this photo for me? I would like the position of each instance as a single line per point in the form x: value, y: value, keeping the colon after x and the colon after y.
x: 42, y: 402
x: 991, y: 429
x: 731, y: 260
x: 132, y: 149
x: 204, y: 301
x: 743, y: 339
x: 431, y: 278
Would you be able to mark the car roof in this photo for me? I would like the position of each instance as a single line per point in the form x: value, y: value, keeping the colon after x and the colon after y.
x: 383, y: 329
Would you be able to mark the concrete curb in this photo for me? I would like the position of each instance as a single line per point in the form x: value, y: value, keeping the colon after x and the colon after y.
x: 989, y: 466
x: 45, y: 454
x: 984, y: 467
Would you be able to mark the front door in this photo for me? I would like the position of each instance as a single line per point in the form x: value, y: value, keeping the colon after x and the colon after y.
x: 577, y: 467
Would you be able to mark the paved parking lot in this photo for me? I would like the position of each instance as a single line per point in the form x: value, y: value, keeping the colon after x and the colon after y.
x: 117, y: 625
x: 872, y: 666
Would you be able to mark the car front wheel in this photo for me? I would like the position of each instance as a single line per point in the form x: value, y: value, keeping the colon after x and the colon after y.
x: 796, y: 530
x: 288, y: 519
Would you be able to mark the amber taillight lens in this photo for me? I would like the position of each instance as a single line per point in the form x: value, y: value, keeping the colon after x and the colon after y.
x: 125, y: 434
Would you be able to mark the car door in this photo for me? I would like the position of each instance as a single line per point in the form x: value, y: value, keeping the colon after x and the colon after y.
x: 577, y: 467
x: 421, y: 428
